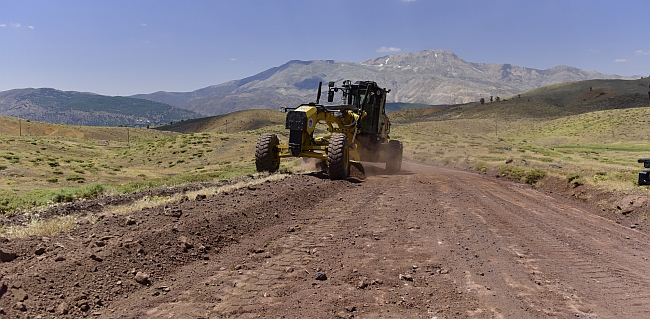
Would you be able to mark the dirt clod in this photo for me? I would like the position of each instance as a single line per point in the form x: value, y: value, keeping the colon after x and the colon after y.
x: 141, y: 278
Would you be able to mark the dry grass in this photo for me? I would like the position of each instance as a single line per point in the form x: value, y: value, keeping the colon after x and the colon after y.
x: 155, y: 201
x: 211, y: 191
x: 63, y: 224
x: 37, y: 227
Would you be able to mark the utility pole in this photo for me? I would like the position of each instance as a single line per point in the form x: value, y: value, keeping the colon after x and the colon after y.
x: 128, y: 138
x: 20, y: 127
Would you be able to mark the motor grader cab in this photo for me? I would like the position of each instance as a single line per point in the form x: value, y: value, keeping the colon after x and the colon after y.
x: 355, y: 130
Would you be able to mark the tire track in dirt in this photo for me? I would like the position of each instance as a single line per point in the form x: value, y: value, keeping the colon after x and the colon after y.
x: 564, y: 250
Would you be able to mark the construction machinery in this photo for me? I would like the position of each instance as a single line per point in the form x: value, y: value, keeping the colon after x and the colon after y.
x: 355, y: 130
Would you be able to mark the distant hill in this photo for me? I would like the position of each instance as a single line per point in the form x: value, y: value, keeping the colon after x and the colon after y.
x: 228, y: 123
x: 397, y: 106
x: 547, y: 102
x: 68, y: 107
x: 429, y: 77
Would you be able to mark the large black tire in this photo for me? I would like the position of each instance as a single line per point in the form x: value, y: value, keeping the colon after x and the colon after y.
x: 644, y: 178
x: 267, y: 154
x: 338, y: 157
x: 394, y: 153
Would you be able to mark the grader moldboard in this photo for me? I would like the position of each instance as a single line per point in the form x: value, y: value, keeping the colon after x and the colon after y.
x: 357, y: 130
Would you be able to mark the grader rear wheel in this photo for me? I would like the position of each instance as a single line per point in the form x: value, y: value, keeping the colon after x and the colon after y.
x: 394, y: 156
x: 338, y: 157
x: 267, y: 155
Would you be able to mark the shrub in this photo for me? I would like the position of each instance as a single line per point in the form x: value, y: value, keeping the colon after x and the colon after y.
x: 601, y: 176
x: 481, y: 167
x: 75, y: 178
x: 70, y: 194
x: 512, y: 171
x: 533, y: 176
x: 574, y: 179
x: 529, y: 176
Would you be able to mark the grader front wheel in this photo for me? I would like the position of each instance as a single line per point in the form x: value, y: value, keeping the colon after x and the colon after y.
x: 267, y: 155
x: 338, y: 157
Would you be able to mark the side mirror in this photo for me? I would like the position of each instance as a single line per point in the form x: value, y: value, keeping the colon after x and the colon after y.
x: 330, y: 95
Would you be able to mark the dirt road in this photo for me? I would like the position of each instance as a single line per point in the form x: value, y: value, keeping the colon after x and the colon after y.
x: 427, y: 243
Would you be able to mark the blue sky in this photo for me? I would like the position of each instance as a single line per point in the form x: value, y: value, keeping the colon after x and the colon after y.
x: 130, y: 47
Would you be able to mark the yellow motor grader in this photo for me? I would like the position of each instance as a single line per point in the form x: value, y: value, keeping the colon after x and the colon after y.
x: 356, y: 130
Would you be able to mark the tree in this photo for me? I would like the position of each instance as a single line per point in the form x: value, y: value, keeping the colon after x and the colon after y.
x: 482, y: 101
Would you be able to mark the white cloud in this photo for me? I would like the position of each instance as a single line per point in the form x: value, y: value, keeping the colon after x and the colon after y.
x: 2, y: 25
x: 389, y: 49
x: 640, y: 52
x: 620, y: 60
x: 143, y: 24
x: 15, y: 25
x: 408, y: 0
x: 594, y: 50
x: 233, y: 59
x: 31, y: 27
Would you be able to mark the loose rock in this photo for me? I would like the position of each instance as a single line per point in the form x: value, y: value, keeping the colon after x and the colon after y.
x: 141, y: 278
x: 63, y: 308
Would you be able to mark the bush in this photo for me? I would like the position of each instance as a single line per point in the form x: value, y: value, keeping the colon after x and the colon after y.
x: 481, y: 167
x: 75, y: 178
x: 512, y: 171
x: 65, y: 195
x: 529, y: 176
x: 575, y: 179
x: 601, y: 176
x: 534, y: 176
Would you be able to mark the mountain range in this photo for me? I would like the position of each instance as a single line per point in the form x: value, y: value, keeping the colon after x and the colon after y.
x: 432, y: 77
